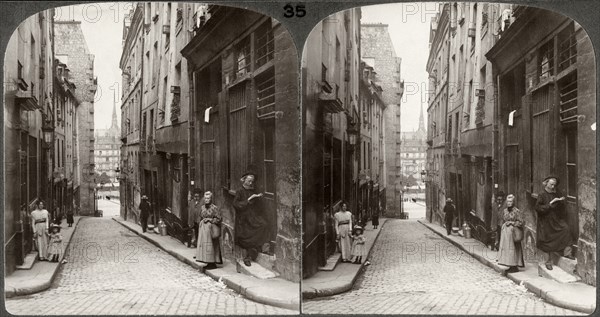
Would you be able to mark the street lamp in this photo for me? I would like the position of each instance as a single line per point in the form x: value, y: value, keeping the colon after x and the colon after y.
x: 48, y: 131
x: 352, y: 132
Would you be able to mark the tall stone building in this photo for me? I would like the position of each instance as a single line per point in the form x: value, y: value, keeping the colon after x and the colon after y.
x: 370, y: 145
x: 131, y: 64
x: 71, y: 48
x: 209, y: 92
x: 511, y: 102
x: 28, y: 109
x: 544, y: 73
x: 378, y: 51
x: 107, y: 155
x: 413, y: 151
x: 330, y: 131
x: 437, y: 92
x: 65, y: 159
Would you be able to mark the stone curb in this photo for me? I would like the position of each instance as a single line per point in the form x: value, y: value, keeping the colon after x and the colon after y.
x: 252, y: 293
x: 551, y: 296
x: 310, y: 293
x: 14, y: 291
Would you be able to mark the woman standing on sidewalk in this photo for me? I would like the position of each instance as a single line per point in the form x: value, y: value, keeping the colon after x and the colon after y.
x: 41, y: 223
x: 343, y: 229
x: 511, y: 252
x: 209, y: 220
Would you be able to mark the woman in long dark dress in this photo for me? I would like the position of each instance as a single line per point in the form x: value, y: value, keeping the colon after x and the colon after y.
x: 375, y: 216
x: 510, y: 253
x: 251, y: 227
x: 209, y: 249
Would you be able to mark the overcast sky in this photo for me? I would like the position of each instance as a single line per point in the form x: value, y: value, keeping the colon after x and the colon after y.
x: 409, y: 30
x: 102, y: 26
x: 408, y: 26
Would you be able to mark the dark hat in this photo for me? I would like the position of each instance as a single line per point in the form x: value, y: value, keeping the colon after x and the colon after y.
x: 553, y: 176
x: 250, y: 171
x: 54, y: 226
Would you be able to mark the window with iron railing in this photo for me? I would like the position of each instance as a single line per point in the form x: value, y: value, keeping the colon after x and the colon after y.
x: 568, y: 98
x: 567, y: 48
x: 265, y: 94
x: 264, y: 46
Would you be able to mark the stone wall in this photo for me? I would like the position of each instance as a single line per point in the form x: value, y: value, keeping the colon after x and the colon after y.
x: 69, y: 41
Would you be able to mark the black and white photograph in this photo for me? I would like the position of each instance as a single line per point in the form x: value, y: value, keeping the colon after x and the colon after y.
x: 449, y: 162
x: 151, y: 162
x: 250, y: 158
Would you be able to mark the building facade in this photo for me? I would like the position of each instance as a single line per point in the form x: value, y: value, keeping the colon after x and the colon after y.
x: 413, y: 151
x: 243, y: 108
x: 65, y: 158
x: 546, y: 108
x: 28, y: 108
x: 107, y: 156
x: 377, y: 50
x: 131, y: 64
x: 520, y: 107
x: 72, y: 50
x: 371, y: 158
x: 209, y: 94
x: 330, y: 127
x: 436, y: 113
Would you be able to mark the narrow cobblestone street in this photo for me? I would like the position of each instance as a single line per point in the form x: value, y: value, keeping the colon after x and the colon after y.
x: 414, y: 271
x: 111, y: 270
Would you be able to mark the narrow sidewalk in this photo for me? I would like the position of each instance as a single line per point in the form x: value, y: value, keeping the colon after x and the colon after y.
x: 274, y: 291
x: 42, y: 273
x: 342, y: 278
x: 575, y: 296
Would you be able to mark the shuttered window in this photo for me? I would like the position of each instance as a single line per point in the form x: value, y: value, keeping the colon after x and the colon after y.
x: 238, y: 133
x: 541, y: 135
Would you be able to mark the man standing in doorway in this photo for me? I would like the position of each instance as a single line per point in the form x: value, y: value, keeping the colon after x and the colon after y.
x: 251, y: 227
x: 144, y: 212
x: 450, y: 213
x: 553, y: 234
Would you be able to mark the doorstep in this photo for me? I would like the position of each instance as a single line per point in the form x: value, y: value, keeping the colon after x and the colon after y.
x: 575, y: 296
x: 40, y: 275
x: 344, y: 275
x: 272, y: 291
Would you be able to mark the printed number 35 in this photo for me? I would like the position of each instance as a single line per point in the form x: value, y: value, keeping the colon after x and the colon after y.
x: 291, y: 11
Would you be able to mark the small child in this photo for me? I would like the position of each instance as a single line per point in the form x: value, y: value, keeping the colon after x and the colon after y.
x: 358, y: 244
x: 55, y: 247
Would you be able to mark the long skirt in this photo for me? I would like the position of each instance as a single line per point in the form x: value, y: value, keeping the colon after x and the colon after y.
x: 375, y: 221
x: 345, y: 242
x: 208, y: 250
x: 55, y: 251
x: 41, y: 240
x: 358, y: 249
x: 70, y: 219
x: 509, y: 253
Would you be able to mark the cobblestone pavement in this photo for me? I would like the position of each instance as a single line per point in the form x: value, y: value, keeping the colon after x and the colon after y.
x: 414, y: 271
x: 111, y: 270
